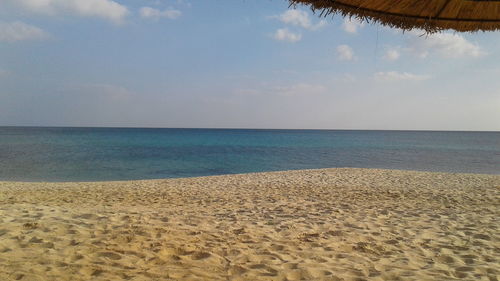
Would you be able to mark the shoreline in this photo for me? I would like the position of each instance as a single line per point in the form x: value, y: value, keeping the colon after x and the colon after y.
x: 322, y: 224
x: 253, y: 173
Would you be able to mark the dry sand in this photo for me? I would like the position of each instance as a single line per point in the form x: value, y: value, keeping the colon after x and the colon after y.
x: 331, y: 224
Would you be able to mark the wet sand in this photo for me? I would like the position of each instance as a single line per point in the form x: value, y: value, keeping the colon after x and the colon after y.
x: 329, y: 224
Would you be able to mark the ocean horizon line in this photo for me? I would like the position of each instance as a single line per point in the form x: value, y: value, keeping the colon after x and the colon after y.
x: 249, y: 128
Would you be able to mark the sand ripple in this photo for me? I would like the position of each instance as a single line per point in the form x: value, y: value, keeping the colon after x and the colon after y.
x: 331, y: 224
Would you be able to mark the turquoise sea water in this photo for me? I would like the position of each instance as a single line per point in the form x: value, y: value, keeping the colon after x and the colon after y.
x: 94, y: 154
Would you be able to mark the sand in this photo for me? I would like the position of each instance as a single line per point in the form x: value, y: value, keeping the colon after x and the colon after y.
x: 330, y: 224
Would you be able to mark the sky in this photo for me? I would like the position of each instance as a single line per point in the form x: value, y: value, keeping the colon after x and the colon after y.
x: 237, y: 64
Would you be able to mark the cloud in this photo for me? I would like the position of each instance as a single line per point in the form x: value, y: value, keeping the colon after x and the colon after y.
x: 392, y: 54
x: 151, y: 13
x: 351, y: 25
x: 345, y: 53
x: 105, y: 9
x: 399, y: 76
x: 283, y: 34
x: 446, y: 45
x: 19, y: 31
x: 299, y: 18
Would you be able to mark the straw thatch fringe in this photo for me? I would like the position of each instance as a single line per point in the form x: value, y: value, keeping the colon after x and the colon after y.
x: 424, y: 15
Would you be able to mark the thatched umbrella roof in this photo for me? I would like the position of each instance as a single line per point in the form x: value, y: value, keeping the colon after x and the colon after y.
x: 429, y: 15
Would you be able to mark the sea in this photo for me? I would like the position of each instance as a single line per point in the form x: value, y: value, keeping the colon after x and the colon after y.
x: 109, y: 154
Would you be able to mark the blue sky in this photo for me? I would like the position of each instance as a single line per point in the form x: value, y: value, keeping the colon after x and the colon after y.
x: 237, y: 64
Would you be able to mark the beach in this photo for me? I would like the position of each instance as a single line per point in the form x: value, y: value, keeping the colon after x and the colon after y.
x: 325, y: 224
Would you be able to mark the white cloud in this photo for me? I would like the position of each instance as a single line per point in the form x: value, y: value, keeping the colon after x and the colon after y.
x: 351, y: 25
x: 106, y: 9
x: 447, y: 45
x: 19, y: 31
x: 148, y: 12
x: 399, y: 76
x: 283, y: 34
x: 392, y: 54
x: 299, y: 18
x: 345, y: 53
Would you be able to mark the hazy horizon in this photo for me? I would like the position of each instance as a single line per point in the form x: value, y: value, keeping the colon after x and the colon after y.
x: 247, y: 65
x: 240, y: 128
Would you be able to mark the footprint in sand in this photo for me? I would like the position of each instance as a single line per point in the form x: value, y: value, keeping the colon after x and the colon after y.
x: 76, y: 257
x: 30, y: 225
x: 237, y: 270
x: 391, y: 242
x: 446, y: 259
x: 110, y: 255
x: 464, y: 269
x: 85, y: 216
x: 482, y: 237
x: 277, y: 247
x: 335, y: 232
x: 35, y: 240
x: 200, y: 255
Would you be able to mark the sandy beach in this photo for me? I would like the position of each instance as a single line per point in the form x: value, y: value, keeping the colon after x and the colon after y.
x: 329, y: 224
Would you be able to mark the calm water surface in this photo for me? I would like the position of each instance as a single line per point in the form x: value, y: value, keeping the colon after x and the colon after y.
x: 94, y: 154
